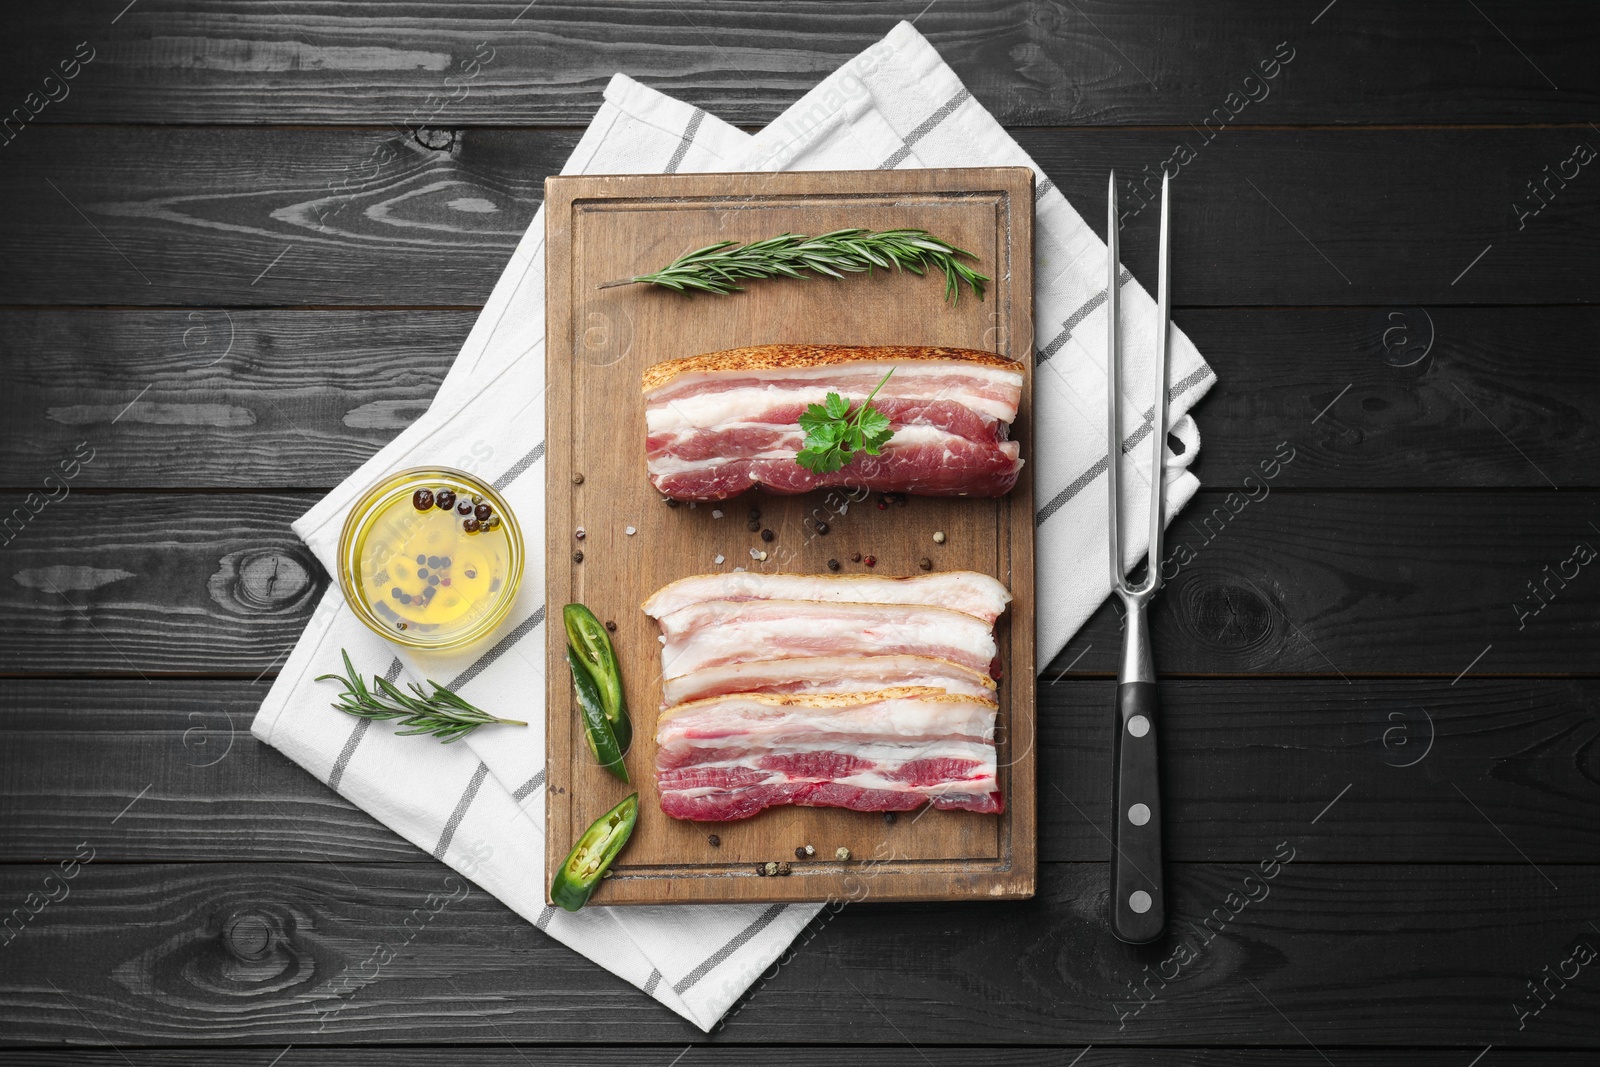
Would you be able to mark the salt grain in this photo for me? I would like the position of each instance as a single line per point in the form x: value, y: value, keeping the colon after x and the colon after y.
x: 716, y: 514
x: 718, y: 559
x: 629, y: 530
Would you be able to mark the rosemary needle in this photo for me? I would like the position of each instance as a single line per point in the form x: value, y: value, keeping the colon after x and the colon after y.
x: 720, y: 267
x: 440, y: 713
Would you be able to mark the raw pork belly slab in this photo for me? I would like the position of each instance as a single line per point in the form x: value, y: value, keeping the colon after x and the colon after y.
x: 854, y: 691
x: 965, y: 591
x: 730, y: 757
x: 721, y: 423
x: 828, y: 674
x: 716, y: 633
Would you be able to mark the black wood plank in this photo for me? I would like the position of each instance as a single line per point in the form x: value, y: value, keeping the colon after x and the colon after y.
x: 718, y: 1055
x: 1030, y: 63
x: 1329, y: 584
x: 253, y: 953
x: 213, y: 398
x: 1483, y: 771
x: 293, y: 217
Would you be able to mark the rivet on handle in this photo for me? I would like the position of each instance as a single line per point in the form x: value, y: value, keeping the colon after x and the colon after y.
x: 1138, y: 726
x: 1139, y: 901
x: 1139, y: 814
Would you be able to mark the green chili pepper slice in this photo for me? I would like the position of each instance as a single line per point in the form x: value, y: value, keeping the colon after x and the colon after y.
x: 587, y: 639
x: 577, y: 877
x: 596, y: 727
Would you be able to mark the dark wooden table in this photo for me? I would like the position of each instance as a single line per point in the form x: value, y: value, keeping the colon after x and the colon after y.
x: 221, y: 293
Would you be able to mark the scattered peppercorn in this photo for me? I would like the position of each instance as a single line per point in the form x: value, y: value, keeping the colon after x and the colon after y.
x: 767, y: 535
x: 395, y: 592
x: 577, y: 479
x: 761, y: 869
x: 464, y: 507
x: 445, y: 563
x: 800, y: 852
x: 433, y: 561
x: 822, y: 528
x: 882, y: 506
x: 482, y: 511
x: 580, y: 533
x: 888, y: 817
x: 833, y: 564
x: 925, y: 563
x: 471, y: 526
x: 755, y: 514
x: 422, y: 499
x: 611, y: 626
x: 856, y: 558
x: 671, y: 503
x: 421, y: 559
x: 784, y: 869
x: 938, y: 537
x: 477, y: 498
x: 444, y: 499
x: 492, y: 523
x: 422, y: 572
x: 871, y: 561
x: 810, y: 851
x: 841, y: 853
x: 577, y: 557
x: 753, y: 525
x: 433, y: 579
x: 716, y: 842
x: 771, y: 867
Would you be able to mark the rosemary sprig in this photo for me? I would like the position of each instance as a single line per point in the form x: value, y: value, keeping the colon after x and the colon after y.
x: 720, y: 267
x: 440, y: 713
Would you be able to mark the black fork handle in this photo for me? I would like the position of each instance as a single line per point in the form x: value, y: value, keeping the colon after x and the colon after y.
x: 1138, y: 896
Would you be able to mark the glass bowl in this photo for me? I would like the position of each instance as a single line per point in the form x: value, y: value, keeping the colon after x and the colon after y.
x: 430, y: 578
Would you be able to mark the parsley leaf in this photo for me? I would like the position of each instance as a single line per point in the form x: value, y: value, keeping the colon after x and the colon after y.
x: 834, y: 435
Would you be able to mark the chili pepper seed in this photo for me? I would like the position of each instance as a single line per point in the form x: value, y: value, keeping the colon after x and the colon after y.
x: 938, y: 537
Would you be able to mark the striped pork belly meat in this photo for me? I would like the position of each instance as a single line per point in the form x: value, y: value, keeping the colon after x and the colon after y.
x: 851, y: 691
x: 721, y: 423
x: 965, y: 591
x: 730, y: 757
x: 716, y: 633
x: 827, y: 674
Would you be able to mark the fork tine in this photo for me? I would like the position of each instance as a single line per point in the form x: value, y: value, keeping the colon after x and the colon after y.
x: 1158, y: 424
x: 1113, y: 392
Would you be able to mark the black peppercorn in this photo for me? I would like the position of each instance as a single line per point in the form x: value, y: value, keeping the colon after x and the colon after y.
x: 888, y: 817
x: 833, y: 564
x: 716, y: 842
x: 464, y: 507
x: 444, y: 499
x: 822, y: 527
x: 755, y: 514
x: 577, y: 479
x: 856, y: 558
x: 800, y: 852
x: 784, y: 868
x: 433, y: 561
x: 761, y: 869
x: 925, y: 563
x: 482, y: 511
x: 422, y: 499
x: 611, y: 626
x: 471, y: 526
x: 753, y: 525
x: 577, y: 557
x: 767, y: 535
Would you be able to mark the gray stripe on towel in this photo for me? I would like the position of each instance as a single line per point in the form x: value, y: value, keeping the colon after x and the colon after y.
x: 520, y: 466
x: 651, y: 982
x: 526, y: 788
x: 688, y: 138
x: 735, y: 943
x: 357, y: 732
x: 524, y: 628
x: 1060, y: 499
x: 926, y: 127
x: 461, y: 810
x: 1074, y: 320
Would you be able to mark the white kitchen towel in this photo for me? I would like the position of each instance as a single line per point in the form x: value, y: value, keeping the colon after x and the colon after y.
x: 478, y: 805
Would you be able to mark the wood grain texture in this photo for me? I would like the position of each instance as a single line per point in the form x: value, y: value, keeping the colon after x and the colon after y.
x: 919, y: 1055
x: 302, y: 397
x: 1244, y: 761
x: 368, y: 217
x: 273, y: 954
x: 137, y: 584
x: 1031, y: 63
x: 599, y: 345
x: 1325, y: 584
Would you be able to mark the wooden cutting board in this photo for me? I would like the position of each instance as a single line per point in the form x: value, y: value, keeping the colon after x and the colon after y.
x: 598, y: 342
